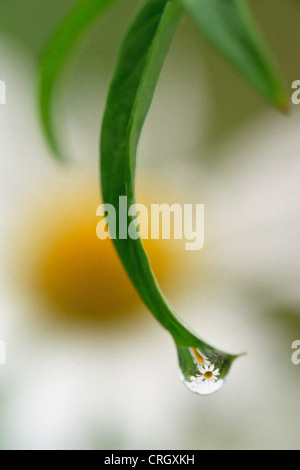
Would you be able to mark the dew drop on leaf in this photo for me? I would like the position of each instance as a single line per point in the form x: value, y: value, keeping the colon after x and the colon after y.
x: 203, y: 371
x: 196, y: 385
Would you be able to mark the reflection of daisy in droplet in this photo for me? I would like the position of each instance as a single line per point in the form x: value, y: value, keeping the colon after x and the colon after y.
x: 199, y: 358
x: 209, y: 374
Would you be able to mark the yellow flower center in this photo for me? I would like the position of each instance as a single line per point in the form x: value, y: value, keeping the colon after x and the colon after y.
x: 208, y: 375
x: 83, y: 277
x: 72, y: 272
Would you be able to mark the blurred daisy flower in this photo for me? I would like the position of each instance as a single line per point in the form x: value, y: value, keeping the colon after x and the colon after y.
x: 75, y: 323
x: 72, y: 337
x: 209, y: 373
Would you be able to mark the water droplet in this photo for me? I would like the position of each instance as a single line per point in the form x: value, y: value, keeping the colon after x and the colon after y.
x: 196, y: 385
x: 203, y: 370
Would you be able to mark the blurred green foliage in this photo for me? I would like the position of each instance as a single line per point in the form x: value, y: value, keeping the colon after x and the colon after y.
x: 32, y: 21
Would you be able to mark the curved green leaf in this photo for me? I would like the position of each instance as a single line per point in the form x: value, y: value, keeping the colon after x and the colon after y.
x: 143, y: 52
x: 228, y: 26
x: 56, y: 53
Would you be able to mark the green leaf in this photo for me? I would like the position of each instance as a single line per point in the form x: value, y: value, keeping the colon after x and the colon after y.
x: 56, y: 54
x: 142, y: 55
x: 228, y: 26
